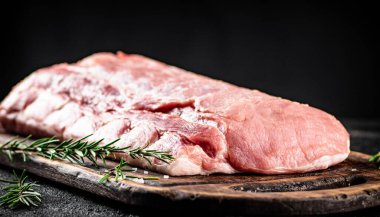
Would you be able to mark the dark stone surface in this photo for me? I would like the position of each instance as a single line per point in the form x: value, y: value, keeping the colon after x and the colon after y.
x: 60, y: 200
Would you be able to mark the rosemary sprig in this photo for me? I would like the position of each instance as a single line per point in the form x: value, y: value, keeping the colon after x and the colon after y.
x: 76, y: 151
x: 72, y: 150
x: 142, y: 152
x: 118, y: 172
x: 375, y: 158
x: 20, y: 192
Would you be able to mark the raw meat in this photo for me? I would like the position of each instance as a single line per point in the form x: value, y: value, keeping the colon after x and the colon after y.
x: 208, y: 125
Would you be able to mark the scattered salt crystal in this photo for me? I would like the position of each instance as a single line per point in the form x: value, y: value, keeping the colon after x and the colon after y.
x: 353, y: 170
x: 166, y: 176
x: 146, y: 172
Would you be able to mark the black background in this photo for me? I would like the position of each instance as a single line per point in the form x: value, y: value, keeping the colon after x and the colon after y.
x: 323, y: 54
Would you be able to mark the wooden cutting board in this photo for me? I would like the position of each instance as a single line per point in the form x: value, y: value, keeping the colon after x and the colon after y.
x: 351, y: 185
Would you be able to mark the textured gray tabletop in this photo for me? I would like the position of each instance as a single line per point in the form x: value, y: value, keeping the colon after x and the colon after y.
x: 60, y: 200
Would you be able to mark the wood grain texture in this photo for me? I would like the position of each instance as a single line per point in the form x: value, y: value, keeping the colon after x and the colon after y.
x: 351, y: 185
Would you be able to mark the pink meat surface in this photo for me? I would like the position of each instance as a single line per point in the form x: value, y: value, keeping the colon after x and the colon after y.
x: 208, y: 125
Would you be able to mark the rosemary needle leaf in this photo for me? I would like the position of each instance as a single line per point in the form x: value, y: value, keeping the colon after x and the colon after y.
x: 92, y: 153
x: 104, y: 179
x: 79, y: 152
x: 9, y: 154
x: 24, y: 157
x: 375, y: 158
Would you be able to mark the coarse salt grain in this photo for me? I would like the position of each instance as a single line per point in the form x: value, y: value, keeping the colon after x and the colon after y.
x: 166, y: 176
x: 146, y: 172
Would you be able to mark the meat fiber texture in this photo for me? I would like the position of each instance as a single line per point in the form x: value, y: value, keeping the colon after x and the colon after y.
x: 209, y: 126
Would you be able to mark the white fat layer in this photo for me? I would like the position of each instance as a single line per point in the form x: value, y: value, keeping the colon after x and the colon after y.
x: 183, y: 166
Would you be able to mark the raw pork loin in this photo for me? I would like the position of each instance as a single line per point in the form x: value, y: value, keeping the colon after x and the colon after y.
x: 208, y: 125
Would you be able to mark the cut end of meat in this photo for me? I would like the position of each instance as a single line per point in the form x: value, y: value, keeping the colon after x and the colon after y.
x: 293, y: 138
x: 209, y: 126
